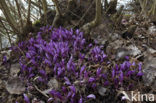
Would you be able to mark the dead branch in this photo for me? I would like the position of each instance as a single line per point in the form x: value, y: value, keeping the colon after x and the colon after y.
x: 39, y: 2
x: 112, y: 7
x: 87, y: 27
x: 40, y: 91
x: 45, y: 8
x: 85, y: 13
x: 2, y: 18
x: 19, y: 13
x: 6, y: 31
x: 106, y: 5
x: 28, y: 14
x: 8, y: 16
x: 37, y: 5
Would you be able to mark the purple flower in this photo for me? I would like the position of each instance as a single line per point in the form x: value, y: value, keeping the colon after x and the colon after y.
x: 69, y: 94
x: 133, y: 64
x: 104, y: 76
x: 121, y: 76
x: 4, y: 59
x: 60, y: 71
x: 77, y: 31
x: 91, y: 96
x: 48, y: 62
x: 131, y: 72
x: 73, y: 89
x: 113, y: 73
x: 48, y: 56
x: 67, y: 81
x: 91, y: 79
x: 123, y: 66
x: 97, y: 55
x: 106, y: 83
x: 140, y: 74
x: 82, y: 70
x: 128, y: 64
x: 90, y: 45
x: 81, y: 100
x: 31, y: 75
x: 30, y: 69
x: 71, y: 65
x: 56, y: 94
x: 94, y: 85
x: 127, y: 57
x: 117, y: 67
x: 98, y: 72
x: 65, y: 55
x: 26, y: 99
x: 41, y: 79
x: 42, y: 72
x: 82, y: 56
x: 50, y: 99
x: 140, y: 66
x: 28, y: 55
x: 64, y: 89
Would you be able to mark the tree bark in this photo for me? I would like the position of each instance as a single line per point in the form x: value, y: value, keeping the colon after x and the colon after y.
x: 8, y: 16
x: 58, y: 13
x: 86, y: 28
x: 19, y: 13
x: 44, y: 5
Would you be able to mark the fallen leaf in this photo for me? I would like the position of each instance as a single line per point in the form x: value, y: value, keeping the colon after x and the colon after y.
x: 15, y: 86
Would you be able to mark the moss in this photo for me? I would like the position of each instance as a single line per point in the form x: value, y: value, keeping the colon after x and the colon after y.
x: 127, y: 16
x: 37, y: 23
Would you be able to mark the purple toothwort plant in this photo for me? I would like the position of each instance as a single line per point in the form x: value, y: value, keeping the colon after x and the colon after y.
x: 26, y: 99
x: 65, y: 54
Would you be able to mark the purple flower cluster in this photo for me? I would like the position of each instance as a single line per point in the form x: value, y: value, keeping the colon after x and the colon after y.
x: 97, y: 55
x: 122, y: 73
x: 64, y: 54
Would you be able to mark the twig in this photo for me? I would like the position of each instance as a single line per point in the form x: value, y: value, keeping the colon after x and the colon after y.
x: 40, y: 91
x: 28, y: 14
x: 9, y: 16
x: 44, y: 5
x: 86, y: 28
x: 19, y: 13
x: 6, y: 31
x: 85, y: 13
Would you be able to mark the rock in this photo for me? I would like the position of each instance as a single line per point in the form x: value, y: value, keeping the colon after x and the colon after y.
x: 110, y: 49
x: 149, y: 77
x: 152, y: 30
x: 114, y: 36
x: 134, y: 50
x: 102, y: 91
x: 149, y: 71
x: 122, y: 52
x: 150, y: 61
x: 101, y: 40
x: 15, y: 86
x: 53, y: 83
x: 14, y: 70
